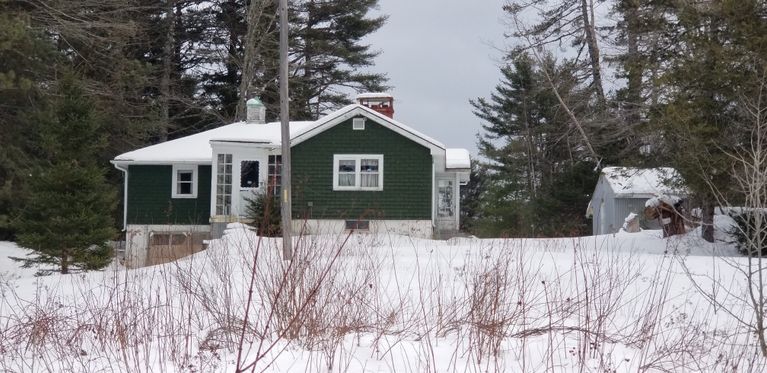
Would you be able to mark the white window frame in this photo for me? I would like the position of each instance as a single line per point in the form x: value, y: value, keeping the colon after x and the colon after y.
x: 358, y: 124
x: 174, y: 183
x: 357, y: 158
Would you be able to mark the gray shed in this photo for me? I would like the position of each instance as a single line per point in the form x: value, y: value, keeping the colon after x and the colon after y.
x: 623, y: 190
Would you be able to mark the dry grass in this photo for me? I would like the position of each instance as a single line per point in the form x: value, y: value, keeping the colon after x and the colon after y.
x: 348, y: 301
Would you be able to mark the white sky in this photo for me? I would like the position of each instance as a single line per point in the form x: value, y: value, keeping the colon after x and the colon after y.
x: 438, y: 54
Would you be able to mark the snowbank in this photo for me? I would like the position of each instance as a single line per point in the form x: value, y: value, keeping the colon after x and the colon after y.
x: 387, y: 303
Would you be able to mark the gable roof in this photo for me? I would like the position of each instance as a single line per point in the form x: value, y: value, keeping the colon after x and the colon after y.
x: 642, y: 182
x: 354, y: 110
x: 196, y: 148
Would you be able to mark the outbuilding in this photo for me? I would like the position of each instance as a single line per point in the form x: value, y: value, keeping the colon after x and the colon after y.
x: 621, y: 191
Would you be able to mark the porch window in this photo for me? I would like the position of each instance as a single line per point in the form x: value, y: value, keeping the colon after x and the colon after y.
x: 358, y: 172
x: 274, y: 171
x: 224, y: 184
x: 445, y: 203
x: 184, y: 181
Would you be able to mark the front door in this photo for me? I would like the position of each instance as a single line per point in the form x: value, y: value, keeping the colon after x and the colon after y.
x: 446, y: 205
x: 250, y: 185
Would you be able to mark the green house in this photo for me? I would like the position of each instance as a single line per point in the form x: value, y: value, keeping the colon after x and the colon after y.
x: 355, y: 168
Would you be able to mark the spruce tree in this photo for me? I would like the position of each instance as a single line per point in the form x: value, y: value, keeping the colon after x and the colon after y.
x: 534, y: 155
x: 26, y: 57
x: 67, y: 216
x: 327, y: 44
x: 720, y: 56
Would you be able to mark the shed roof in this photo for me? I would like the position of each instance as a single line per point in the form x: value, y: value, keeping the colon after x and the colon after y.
x: 643, y: 182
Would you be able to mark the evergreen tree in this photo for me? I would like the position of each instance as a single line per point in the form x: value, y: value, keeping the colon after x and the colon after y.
x: 327, y: 47
x: 26, y: 62
x: 66, y: 219
x: 533, y: 153
x: 326, y: 53
x: 472, y: 197
x: 720, y: 53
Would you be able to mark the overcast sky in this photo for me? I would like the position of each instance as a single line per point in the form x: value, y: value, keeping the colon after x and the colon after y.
x: 439, y: 54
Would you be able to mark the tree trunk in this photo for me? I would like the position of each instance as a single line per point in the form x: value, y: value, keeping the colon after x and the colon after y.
x: 634, y: 66
x: 587, y: 13
x: 64, y: 261
x: 707, y: 228
x: 167, y: 66
x: 246, y: 91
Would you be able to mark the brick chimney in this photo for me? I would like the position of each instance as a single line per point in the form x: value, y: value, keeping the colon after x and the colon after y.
x: 380, y: 102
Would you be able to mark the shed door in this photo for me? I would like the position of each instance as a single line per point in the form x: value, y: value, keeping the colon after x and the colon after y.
x: 446, y: 204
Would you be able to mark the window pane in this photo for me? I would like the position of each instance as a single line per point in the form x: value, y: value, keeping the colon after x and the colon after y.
x: 369, y: 165
x: 184, y: 188
x: 346, y: 179
x: 185, y: 176
x: 249, y: 174
x: 369, y: 180
x: 346, y: 165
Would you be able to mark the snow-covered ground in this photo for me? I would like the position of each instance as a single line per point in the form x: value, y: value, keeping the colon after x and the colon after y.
x: 615, y: 303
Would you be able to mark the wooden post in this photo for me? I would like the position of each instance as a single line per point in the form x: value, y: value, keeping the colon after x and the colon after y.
x: 285, y: 203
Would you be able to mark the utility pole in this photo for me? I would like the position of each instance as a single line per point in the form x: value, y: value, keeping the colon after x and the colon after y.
x: 285, y: 203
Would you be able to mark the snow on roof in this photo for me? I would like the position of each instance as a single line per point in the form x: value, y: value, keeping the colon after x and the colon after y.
x: 196, y: 148
x: 639, y: 182
x: 457, y: 158
x: 661, y: 199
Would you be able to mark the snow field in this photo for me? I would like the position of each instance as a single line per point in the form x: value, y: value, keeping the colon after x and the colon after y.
x: 366, y: 303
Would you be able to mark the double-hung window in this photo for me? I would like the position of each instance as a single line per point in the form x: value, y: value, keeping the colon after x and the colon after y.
x: 358, y: 172
x: 184, y: 181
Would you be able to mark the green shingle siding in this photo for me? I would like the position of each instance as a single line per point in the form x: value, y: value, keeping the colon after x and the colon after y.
x: 150, y: 202
x: 407, y: 179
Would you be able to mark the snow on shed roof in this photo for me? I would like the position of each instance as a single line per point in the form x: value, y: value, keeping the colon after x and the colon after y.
x: 643, y: 182
x: 457, y: 158
x: 196, y: 148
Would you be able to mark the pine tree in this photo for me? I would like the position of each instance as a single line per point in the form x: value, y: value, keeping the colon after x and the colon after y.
x: 330, y: 56
x: 326, y: 51
x: 532, y: 153
x: 67, y: 217
x: 26, y: 61
x: 721, y: 49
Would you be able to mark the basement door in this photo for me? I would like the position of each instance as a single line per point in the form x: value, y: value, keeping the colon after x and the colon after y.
x: 446, y: 205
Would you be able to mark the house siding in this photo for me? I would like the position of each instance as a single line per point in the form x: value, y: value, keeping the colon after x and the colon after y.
x: 407, y: 180
x: 150, y: 202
